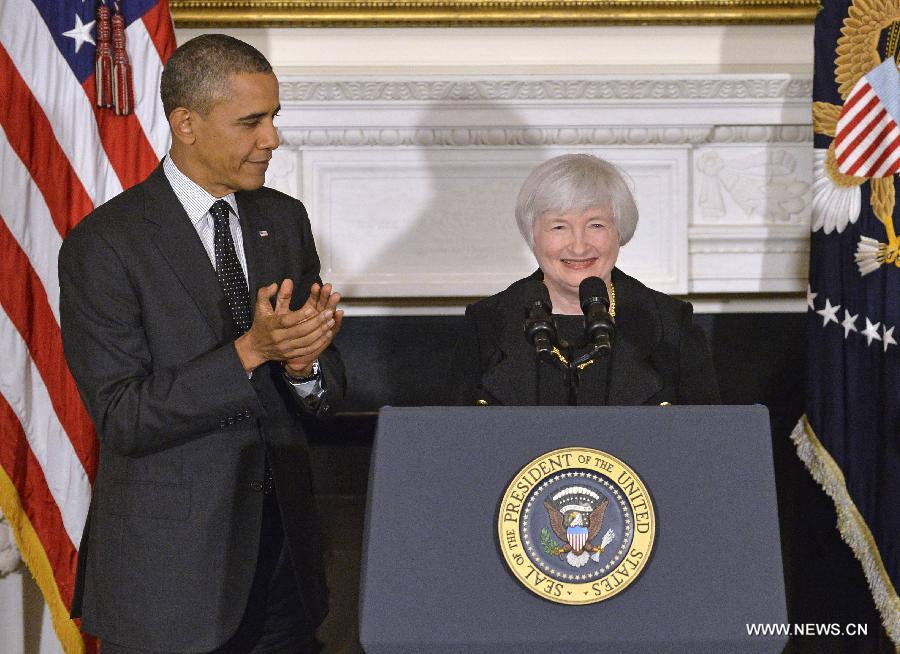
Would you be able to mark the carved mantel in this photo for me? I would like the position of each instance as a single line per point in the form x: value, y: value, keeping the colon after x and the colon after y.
x: 410, y: 181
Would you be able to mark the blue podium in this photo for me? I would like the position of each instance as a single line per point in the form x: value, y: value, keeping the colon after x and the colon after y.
x: 434, y: 578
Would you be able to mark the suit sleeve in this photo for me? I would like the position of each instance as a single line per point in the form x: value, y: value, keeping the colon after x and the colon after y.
x: 697, y: 378
x: 138, y: 405
x: 333, y: 371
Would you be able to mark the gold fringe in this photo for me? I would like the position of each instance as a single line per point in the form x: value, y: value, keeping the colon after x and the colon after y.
x: 851, y: 525
x: 36, y: 559
x: 825, y: 117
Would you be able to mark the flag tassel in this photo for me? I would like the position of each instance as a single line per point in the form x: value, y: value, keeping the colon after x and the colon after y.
x: 103, y: 65
x: 122, y: 94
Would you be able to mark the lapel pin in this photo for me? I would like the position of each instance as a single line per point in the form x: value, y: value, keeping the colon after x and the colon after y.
x: 264, y: 233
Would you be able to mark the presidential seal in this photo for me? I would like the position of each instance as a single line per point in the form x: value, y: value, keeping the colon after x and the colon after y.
x: 576, y: 526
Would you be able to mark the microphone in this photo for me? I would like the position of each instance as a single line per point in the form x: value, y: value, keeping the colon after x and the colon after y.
x: 599, y: 327
x: 539, y: 328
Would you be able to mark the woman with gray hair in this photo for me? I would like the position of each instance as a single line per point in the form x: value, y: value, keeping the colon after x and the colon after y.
x: 576, y: 211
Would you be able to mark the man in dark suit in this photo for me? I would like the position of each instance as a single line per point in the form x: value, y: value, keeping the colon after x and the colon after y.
x: 198, y: 332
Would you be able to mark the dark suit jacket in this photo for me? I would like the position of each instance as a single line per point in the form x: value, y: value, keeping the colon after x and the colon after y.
x: 658, y: 355
x: 168, y: 556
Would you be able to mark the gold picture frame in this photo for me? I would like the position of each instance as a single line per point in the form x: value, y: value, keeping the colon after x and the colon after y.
x: 470, y: 13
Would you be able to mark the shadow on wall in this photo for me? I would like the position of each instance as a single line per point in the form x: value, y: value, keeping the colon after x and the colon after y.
x: 456, y: 223
x: 25, y: 626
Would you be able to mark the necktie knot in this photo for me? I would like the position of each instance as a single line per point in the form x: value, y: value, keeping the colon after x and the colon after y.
x: 219, y: 211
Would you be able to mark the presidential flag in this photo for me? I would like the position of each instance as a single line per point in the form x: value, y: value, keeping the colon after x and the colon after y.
x: 81, y: 120
x: 849, y: 437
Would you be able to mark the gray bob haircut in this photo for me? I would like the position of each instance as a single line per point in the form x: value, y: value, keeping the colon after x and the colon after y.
x: 576, y: 182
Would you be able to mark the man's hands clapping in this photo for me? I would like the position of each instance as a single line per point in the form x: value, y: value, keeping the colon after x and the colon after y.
x: 296, y: 338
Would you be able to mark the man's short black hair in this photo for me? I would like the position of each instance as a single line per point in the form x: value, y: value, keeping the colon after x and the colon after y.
x: 198, y: 72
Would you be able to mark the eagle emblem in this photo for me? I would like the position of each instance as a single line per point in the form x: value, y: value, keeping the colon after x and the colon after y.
x: 865, y: 146
x: 576, y: 517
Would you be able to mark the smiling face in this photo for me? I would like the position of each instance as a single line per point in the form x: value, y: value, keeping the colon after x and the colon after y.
x: 229, y: 148
x: 572, y: 246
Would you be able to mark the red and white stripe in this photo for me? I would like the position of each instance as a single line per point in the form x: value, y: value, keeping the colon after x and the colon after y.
x: 577, y: 539
x: 867, y: 139
x: 60, y: 157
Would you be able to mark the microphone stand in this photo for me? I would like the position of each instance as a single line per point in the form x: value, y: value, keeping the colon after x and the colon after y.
x: 540, y: 331
x: 599, y: 328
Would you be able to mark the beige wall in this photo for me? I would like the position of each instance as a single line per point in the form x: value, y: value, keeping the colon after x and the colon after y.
x: 685, y: 49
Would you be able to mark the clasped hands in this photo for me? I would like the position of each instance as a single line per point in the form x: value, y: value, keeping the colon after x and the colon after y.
x: 296, y: 338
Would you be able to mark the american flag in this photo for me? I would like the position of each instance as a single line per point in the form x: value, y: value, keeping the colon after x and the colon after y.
x: 848, y: 435
x: 60, y: 156
x: 867, y: 139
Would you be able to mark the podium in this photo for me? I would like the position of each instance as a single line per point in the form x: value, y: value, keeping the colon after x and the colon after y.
x: 434, y: 578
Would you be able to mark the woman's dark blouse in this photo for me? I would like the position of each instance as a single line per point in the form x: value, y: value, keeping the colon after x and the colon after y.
x: 659, y: 355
